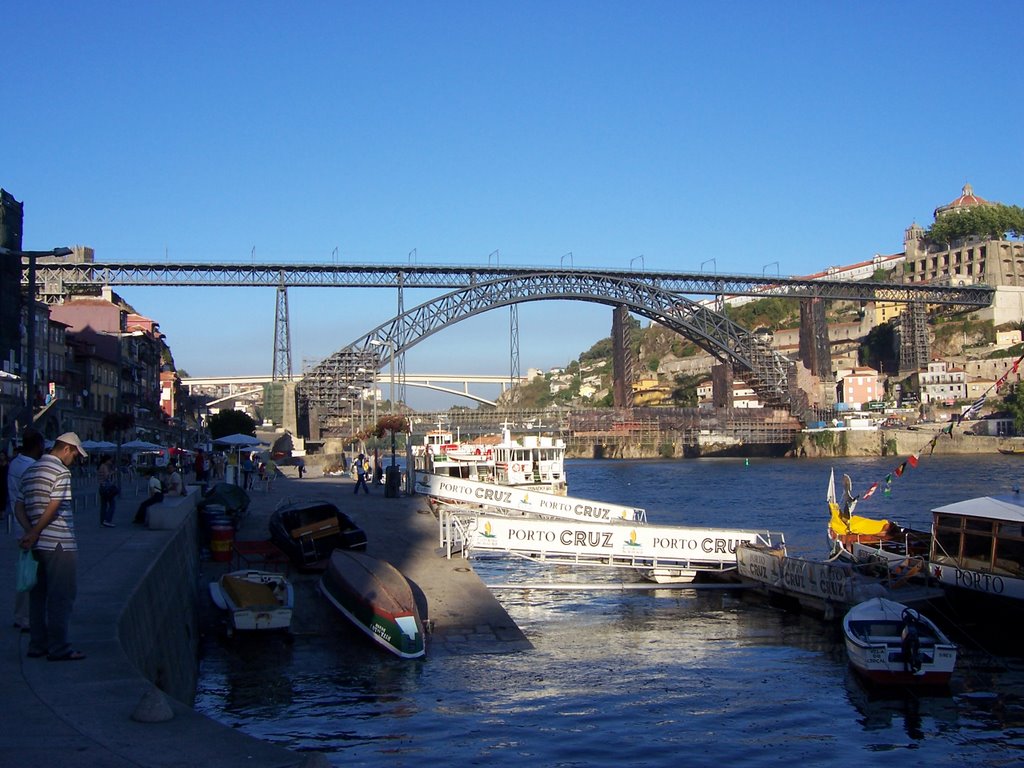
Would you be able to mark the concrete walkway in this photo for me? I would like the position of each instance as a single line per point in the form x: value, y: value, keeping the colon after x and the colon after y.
x: 78, y: 714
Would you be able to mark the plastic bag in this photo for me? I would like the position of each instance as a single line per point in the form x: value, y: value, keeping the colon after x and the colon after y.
x: 27, y: 565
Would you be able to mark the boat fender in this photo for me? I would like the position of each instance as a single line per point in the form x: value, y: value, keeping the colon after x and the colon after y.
x: 910, y: 643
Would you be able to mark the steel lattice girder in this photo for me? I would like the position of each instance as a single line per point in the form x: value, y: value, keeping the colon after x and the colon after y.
x: 767, y: 371
x: 63, y: 278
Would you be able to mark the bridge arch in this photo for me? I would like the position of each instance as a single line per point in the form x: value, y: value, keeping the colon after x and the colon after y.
x: 768, y: 373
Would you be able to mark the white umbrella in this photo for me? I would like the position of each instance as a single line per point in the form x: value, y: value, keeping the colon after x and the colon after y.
x: 238, y: 441
x: 141, y: 445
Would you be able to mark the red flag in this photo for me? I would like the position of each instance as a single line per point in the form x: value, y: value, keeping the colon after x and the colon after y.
x: 870, y: 491
x: 899, y: 470
x: 1016, y: 363
x: 912, y: 461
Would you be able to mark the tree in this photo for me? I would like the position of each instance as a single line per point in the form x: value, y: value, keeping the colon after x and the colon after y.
x: 231, y: 423
x: 994, y: 222
x: 1015, y: 405
x: 684, y: 393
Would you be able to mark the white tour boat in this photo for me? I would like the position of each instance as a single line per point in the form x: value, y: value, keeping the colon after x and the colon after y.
x: 531, y: 462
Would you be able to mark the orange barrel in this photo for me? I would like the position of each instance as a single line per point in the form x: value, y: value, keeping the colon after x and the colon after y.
x: 221, y: 539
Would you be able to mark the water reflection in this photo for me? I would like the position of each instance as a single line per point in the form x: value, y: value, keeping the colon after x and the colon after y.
x: 639, y: 678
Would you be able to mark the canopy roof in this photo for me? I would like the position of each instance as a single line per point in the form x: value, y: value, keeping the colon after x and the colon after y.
x: 1008, y: 508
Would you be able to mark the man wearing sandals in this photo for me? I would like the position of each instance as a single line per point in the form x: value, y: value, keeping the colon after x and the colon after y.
x: 50, y: 534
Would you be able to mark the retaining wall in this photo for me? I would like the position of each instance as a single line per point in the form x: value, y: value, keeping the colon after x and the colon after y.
x: 159, y: 626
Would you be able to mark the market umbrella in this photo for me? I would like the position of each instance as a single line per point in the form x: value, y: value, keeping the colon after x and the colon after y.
x: 238, y: 441
x: 141, y: 445
x: 98, y: 445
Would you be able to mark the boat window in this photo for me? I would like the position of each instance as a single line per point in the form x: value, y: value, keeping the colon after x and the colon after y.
x: 1009, y: 549
x: 946, y: 543
x: 977, y: 551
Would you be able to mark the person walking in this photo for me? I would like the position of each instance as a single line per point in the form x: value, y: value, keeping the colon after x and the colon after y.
x: 156, y: 495
x: 362, y: 469
x: 108, y: 491
x: 247, y: 469
x: 31, y: 450
x: 50, y: 536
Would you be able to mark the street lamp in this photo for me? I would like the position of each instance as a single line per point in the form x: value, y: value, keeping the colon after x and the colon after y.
x: 391, y: 346
x: 30, y: 337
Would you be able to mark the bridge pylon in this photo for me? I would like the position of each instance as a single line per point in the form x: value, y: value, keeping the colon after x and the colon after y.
x: 282, y: 368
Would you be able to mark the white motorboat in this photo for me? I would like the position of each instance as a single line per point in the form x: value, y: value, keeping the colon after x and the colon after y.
x: 891, y: 644
x: 254, y: 599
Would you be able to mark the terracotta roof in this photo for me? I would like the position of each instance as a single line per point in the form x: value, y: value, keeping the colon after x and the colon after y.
x: 966, y: 200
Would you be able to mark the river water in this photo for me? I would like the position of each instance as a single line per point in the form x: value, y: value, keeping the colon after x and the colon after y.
x: 657, y: 678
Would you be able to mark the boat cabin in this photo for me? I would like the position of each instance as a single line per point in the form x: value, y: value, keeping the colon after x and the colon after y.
x: 978, y: 545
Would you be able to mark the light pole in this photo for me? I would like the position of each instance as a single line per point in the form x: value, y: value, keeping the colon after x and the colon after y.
x: 30, y: 332
x: 391, y: 347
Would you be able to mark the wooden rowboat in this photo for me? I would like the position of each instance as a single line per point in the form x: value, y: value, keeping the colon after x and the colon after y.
x: 377, y: 598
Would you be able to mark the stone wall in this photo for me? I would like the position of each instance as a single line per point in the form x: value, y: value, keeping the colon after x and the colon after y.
x: 159, y: 627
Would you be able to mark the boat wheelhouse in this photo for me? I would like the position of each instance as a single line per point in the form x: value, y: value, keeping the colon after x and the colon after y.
x: 978, y: 548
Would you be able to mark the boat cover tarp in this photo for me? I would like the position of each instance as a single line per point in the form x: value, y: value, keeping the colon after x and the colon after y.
x: 856, y: 525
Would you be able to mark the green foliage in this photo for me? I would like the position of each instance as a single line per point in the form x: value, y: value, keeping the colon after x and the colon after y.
x: 771, y: 313
x: 684, y: 393
x: 1013, y: 352
x: 602, y: 350
x: 653, y: 364
x: 881, y: 276
x: 667, y: 450
x: 879, y: 348
x: 1014, y: 402
x: 995, y: 222
x: 231, y: 423
x: 983, y: 330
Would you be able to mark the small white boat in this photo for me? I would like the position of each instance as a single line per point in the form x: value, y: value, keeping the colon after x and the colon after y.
x: 254, y: 599
x: 891, y: 644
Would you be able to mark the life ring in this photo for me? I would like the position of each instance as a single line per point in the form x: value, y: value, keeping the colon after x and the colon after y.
x: 477, y: 451
x: 516, y: 467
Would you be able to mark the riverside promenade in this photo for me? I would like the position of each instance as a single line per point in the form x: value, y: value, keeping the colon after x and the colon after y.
x: 80, y: 713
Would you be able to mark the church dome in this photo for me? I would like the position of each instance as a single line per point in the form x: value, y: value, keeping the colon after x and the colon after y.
x: 966, y: 201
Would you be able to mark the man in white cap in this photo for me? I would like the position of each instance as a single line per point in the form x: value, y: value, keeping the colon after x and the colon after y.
x: 50, y: 534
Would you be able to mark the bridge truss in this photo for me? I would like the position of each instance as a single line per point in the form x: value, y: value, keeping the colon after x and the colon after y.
x: 659, y: 296
x: 767, y: 372
x: 57, y: 278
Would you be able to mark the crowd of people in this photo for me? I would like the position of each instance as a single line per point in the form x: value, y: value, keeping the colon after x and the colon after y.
x: 36, y: 507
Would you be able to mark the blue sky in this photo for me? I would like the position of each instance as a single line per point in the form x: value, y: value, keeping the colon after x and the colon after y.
x: 743, y: 137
